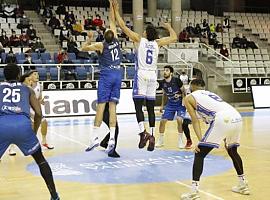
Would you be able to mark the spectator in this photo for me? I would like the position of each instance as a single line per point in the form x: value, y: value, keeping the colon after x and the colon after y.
x: 9, y: 11
x: 183, y: 36
x: 14, y: 41
x: 224, y: 51
x: 69, y: 17
x: 88, y: 23
x: 66, y: 71
x: 28, y: 61
x: 204, y: 38
x: 38, y: 46
x: 54, y: 23
x: 212, y: 38
x: 11, y: 58
x: 236, y: 42
x: 4, y: 39
x: 78, y: 29
x: 205, y: 25
x: 69, y: 26
x: 219, y: 28
x: 24, y: 23
x: 47, y: 13
x: 31, y: 32
x: 61, y: 10
x: 197, y: 30
x: 72, y: 46
x: 190, y: 29
x: 2, y: 50
x: 184, y: 78
x: 212, y: 28
x: 98, y: 21
x: 100, y: 36
x: 19, y: 12
x: 24, y: 39
x: 64, y: 35
x: 226, y: 23
x: 243, y: 42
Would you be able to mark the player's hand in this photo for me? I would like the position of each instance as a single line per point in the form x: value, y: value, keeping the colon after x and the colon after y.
x: 90, y: 35
x: 165, y: 25
x: 161, y: 109
x: 42, y: 101
x: 177, y: 96
x: 196, y: 150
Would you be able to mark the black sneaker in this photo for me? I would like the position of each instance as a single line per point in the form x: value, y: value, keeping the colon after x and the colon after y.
x: 114, y: 154
x: 144, y: 137
x: 151, y: 145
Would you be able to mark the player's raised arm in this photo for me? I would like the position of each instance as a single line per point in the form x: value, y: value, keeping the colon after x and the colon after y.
x: 135, y: 37
x: 190, y: 104
x: 87, y: 46
x: 167, y: 40
x: 112, y: 19
x: 35, y: 104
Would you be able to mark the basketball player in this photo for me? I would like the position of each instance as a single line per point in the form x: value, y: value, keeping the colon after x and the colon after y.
x: 225, y: 123
x: 145, y: 82
x: 34, y: 80
x: 109, y: 85
x: 173, y: 90
x: 15, y: 101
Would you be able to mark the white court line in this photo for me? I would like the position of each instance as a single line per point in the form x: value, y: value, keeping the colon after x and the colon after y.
x: 70, y: 139
x: 201, y: 191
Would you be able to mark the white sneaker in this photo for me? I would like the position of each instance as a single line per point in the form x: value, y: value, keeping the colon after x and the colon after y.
x: 160, y: 142
x: 190, y: 196
x: 181, y: 144
x: 241, y: 189
x: 111, y: 145
x: 93, y: 144
x: 11, y: 151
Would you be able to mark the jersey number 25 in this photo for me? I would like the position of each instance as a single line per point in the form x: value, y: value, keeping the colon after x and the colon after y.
x: 13, y: 96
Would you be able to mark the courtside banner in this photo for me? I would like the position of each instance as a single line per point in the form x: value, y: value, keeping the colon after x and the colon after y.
x: 189, y: 55
x: 63, y: 103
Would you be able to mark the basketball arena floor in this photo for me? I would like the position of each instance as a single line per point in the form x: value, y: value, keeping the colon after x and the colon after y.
x: 138, y: 175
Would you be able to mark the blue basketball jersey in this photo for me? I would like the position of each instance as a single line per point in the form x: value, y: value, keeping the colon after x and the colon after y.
x: 171, y: 88
x: 111, y: 56
x: 14, y: 99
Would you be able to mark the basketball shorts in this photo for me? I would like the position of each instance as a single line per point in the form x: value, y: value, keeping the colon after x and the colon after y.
x: 172, y: 109
x: 19, y: 133
x: 109, y: 86
x: 32, y: 114
x: 145, y: 85
x: 226, y: 125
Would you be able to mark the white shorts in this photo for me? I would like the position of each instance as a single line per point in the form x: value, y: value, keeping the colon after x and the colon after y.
x: 145, y: 85
x: 226, y: 125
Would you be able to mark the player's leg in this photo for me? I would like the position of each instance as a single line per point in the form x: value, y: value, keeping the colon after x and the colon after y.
x: 150, y: 105
x: 186, y: 130
x: 106, y: 120
x: 46, y: 173
x: 180, y: 132
x: 44, y: 132
x: 11, y: 150
x: 162, y: 126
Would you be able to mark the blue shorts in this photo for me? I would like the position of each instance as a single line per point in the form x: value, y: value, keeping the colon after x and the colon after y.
x: 109, y: 86
x: 17, y: 129
x: 173, y: 108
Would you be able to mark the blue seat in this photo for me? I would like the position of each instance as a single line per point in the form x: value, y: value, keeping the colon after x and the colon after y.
x: 123, y: 72
x: 130, y: 72
x: 50, y: 62
x: 54, y: 73
x: 42, y: 73
x: 19, y: 56
x: 72, y: 56
x: 45, y: 56
x: 35, y: 56
x: 3, y: 57
x: 130, y: 57
x: 77, y: 63
x: 81, y: 73
x: 2, y: 77
x: 21, y: 61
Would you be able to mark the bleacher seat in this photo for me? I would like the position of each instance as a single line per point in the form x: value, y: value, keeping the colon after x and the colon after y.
x: 72, y: 56
x: 253, y: 71
x: 54, y: 73
x: 3, y: 57
x: 45, y: 56
x: 34, y: 56
x: 19, y: 56
x: 2, y: 77
x: 42, y: 73
x: 81, y: 73
x: 130, y: 72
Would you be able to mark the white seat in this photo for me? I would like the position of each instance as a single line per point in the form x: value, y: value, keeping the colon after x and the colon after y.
x: 227, y: 70
x: 57, y: 32
x: 227, y: 64
x: 251, y: 64
x: 251, y: 57
x: 234, y: 51
x: 235, y: 57
x: 249, y: 51
x: 259, y: 64
x: 244, y: 70
x: 258, y: 57
x: 265, y: 57
x: 264, y: 51
x: 266, y: 63
x: 243, y: 57
x: 253, y: 71
x: 80, y: 38
x: 261, y: 71
x: 236, y: 71
x: 242, y: 51
x: 219, y: 64
x: 16, y: 50
x: 243, y: 64
x: 257, y: 51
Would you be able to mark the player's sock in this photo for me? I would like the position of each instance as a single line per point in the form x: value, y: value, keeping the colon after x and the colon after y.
x: 160, y: 141
x: 195, y: 186
x: 242, y: 179
x: 141, y: 127
x: 180, y: 141
x: 112, y: 132
x: 44, y: 140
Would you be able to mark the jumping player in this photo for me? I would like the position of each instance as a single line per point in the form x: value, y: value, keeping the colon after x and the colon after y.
x: 15, y: 102
x: 109, y: 85
x: 225, y: 123
x: 145, y: 82
x: 173, y: 91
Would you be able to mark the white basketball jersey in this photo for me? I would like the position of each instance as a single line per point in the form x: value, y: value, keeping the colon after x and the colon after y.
x: 184, y: 79
x: 208, y: 104
x: 37, y: 90
x: 147, y: 55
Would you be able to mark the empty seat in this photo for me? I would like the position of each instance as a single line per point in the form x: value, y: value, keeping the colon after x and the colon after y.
x: 42, y: 74
x: 227, y: 71
x: 81, y: 73
x: 19, y: 56
x: 54, y: 73
x: 261, y: 71
x: 265, y: 57
x: 251, y: 57
x: 258, y: 57
x: 253, y: 70
x: 45, y: 56
x: 236, y: 71
x: 219, y: 64
x: 244, y: 70
x: 72, y: 56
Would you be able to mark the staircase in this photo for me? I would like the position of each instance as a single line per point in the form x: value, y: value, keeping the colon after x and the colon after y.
x: 46, y: 36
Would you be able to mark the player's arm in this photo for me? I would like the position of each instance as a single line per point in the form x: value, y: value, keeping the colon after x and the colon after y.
x: 112, y: 19
x: 35, y: 104
x: 135, y: 37
x: 190, y: 104
x: 87, y: 46
x: 164, y: 99
x: 167, y: 40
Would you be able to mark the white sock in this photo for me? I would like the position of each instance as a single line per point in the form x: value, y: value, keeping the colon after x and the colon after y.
x: 152, y: 130
x: 141, y: 127
x: 95, y: 133
x: 161, y: 135
x: 242, y: 179
x: 112, y: 132
x: 180, y: 136
x: 195, y: 186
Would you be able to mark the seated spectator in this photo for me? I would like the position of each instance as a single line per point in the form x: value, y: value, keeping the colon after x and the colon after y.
x: 183, y: 36
x: 31, y: 32
x: 205, y: 25
x: 11, y: 58
x: 100, y: 36
x: 14, y: 41
x: 54, y: 23
x: 97, y: 22
x: 212, y: 28
x: 198, y: 30
x: 69, y: 17
x: 66, y: 71
x: 184, y: 78
x: 236, y: 42
x: 38, y: 46
x: 224, y: 51
x: 61, y: 10
x: 24, y: 39
x: 226, y: 23
x: 47, y: 13
x: 9, y: 11
x: 88, y: 23
x: 28, y: 61
x: 212, y: 38
x: 219, y: 28
x: 204, y: 38
x: 72, y: 46
x: 64, y: 35
x: 24, y: 23
x: 2, y: 50
x: 4, y: 39
x: 243, y: 42
x: 19, y: 11
x: 69, y: 26
x: 190, y: 29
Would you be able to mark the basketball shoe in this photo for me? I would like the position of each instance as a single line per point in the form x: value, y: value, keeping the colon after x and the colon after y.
x: 188, y: 144
x: 94, y: 144
x: 241, y: 188
x: 160, y: 142
x: 110, y: 147
x: 180, y: 142
x: 190, y: 196
x: 47, y: 146
x: 151, y: 145
x: 144, y: 137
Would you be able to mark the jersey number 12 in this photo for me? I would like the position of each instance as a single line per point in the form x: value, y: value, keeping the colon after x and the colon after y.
x: 13, y: 96
x: 115, y: 53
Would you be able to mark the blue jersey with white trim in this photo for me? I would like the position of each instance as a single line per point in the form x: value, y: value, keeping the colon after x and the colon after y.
x: 208, y: 104
x: 172, y: 88
x: 111, y: 57
x: 14, y: 99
